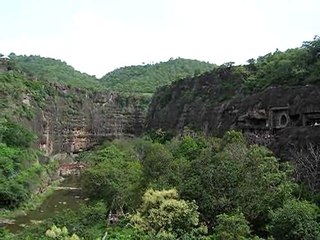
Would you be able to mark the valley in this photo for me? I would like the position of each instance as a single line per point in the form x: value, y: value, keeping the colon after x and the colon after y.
x: 181, y: 149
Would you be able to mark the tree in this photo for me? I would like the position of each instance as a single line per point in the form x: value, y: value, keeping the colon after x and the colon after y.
x: 16, y: 135
x: 163, y: 214
x: 155, y: 159
x: 232, y: 227
x: 188, y: 147
x: 295, y: 220
x: 307, y: 166
x: 236, y: 176
x: 113, y: 176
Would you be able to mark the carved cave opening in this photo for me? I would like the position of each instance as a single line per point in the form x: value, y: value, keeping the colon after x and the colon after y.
x: 283, y: 121
x: 311, y: 119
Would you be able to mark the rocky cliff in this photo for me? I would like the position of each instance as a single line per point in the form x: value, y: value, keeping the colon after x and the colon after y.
x: 76, y: 120
x: 279, y: 117
x: 67, y: 119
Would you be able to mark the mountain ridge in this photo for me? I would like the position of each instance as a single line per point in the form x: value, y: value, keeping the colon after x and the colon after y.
x: 158, y: 74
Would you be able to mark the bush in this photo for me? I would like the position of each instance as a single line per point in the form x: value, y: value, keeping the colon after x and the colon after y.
x: 295, y: 220
x: 232, y: 227
x: 16, y: 135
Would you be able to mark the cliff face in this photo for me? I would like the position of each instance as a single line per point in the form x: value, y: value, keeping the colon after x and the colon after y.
x: 74, y: 120
x: 279, y: 117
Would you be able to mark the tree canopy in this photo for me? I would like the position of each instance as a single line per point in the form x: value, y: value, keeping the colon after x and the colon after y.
x: 147, y: 78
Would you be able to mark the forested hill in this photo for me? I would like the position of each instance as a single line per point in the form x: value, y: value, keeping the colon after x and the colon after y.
x: 147, y: 78
x: 53, y: 70
x: 131, y: 79
x: 297, y: 66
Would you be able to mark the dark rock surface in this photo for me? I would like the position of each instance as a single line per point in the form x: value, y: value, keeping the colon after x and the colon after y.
x: 278, y: 117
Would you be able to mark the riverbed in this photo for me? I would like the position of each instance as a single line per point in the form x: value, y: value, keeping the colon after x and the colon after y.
x: 67, y: 196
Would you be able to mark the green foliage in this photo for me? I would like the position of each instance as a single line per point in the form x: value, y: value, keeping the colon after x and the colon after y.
x: 232, y: 227
x: 60, y: 233
x: 20, y: 96
x: 233, y: 136
x: 294, y: 67
x: 297, y: 66
x: 133, y: 79
x: 189, y: 147
x: 237, y: 176
x: 222, y: 176
x: 147, y: 78
x: 20, y: 171
x: 87, y: 222
x: 20, y: 174
x: 15, y: 135
x: 295, y: 220
x: 125, y: 233
x: 159, y: 136
x: 164, y: 216
x: 155, y: 159
x: 113, y: 176
x: 5, y: 234
x: 225, y: 184
x: 236, y: 186
x: 53, y: 70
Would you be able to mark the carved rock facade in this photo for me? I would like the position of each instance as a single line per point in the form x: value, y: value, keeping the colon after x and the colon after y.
x: 279, y: 117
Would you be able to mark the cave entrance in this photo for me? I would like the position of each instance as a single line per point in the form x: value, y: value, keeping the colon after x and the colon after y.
x: 311, y: 119
x: 283, y: 122
x: 279, y: 117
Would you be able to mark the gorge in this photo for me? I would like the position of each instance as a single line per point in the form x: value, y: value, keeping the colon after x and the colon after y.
x: 232, y: 144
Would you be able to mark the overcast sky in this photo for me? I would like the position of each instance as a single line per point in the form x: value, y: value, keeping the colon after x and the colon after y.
x: 97, y: 36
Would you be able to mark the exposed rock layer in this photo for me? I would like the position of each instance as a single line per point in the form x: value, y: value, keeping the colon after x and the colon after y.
x: 279, y: 117
x: 75, y: 120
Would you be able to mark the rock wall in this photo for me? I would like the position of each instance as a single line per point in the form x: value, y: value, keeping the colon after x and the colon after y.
x: 279, y: 117
x: 74, y: 120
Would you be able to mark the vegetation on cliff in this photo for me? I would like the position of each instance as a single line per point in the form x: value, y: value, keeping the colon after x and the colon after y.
x: 52, y: 70
x: 20, y: 169
x: 298, y: 66
x: 21, y: 173
x: 205, y: 102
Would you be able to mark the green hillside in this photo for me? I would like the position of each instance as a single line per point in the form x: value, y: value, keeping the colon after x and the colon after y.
x: 147, y: 78
x: 53, y: 70
x: 297, y: 66
x: 21, y: 171
x: 131, y: 79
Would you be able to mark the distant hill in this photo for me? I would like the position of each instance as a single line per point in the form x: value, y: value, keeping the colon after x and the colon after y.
x: 147, y: 78
x: 53, y: 70
x: 132, y: 79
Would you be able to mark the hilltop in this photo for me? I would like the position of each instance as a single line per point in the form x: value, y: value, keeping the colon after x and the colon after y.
x: 147, y: 78
x: 130, y: 79
x: 52, y: 70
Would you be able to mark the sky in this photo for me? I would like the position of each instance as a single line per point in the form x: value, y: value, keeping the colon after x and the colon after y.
x: 98, y: 36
